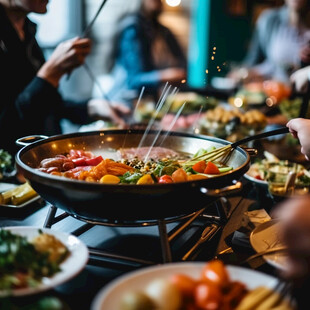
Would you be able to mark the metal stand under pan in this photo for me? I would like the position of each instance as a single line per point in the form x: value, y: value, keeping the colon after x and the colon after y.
x: 209, y: 229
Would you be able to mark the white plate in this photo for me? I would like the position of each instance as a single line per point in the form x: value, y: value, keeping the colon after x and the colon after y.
x: 250, y: 175
x: 109, y: 297
x: 74, y: 263
x: 265, y: 236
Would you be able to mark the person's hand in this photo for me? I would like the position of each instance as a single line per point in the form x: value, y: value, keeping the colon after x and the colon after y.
x: 100, y: 108
x: 173, y: 75
x: 300, y: 129
x: 294, y: 217
x: 300, y: 79
x: 66, y: 57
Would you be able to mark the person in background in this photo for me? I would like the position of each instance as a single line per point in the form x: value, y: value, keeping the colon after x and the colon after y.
x: 30, y: 102
x: 294, y: 216
x: 280, y: 44
x: 146, y: 54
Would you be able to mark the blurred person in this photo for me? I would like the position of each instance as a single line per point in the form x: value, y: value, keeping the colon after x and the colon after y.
x: 30, y: 102
x: 280, y: 43
x: 301, y: 79
x: 294, y: 216
x: 294, y: 232
x: 146, y: 54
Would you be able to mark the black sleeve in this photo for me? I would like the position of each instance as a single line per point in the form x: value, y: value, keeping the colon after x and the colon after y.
x: 42, y: 99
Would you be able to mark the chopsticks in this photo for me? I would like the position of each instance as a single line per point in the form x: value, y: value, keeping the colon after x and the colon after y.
x: 223, y: 151
x: 90, y: 25
x: 261, y: 136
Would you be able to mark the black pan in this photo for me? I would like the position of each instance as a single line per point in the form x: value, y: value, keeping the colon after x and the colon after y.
x: 101, y: 202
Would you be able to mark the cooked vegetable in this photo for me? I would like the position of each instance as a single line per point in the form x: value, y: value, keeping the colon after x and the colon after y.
x: 165, y: 295
x: 200, y: 166
x: 18, y: 195
x: 110, y: 179
x: 137, y: 301
x: 135, y: 170
x: 263, y: 298
x: 23, y: 263
x: 146, y: 179
x: 6, y: 162
x: 211, y: 168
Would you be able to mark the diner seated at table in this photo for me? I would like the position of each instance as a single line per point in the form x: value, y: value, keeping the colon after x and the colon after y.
x: 30, y: 101
x: 147, y: 54
x: 280, y: 44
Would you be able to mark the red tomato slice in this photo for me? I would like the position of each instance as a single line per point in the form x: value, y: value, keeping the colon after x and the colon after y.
x: 200, y: 166
x: 211, y: 169
x: 215, y: 272
x: 164, y: 179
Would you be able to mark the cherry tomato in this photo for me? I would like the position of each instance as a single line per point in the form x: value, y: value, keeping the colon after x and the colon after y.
x: 211, y: 168
x: 214, y: 271
x: 207, y: 296
x: 179, y: 175
x: 165, y: 179
x: 184, y: 283
x: 200, y: 166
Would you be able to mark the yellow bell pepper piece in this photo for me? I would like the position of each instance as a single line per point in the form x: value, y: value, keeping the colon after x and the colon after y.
x: 146, y: 179
x: 110, y: 179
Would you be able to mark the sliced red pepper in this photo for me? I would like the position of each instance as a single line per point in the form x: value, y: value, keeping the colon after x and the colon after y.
x: 200, y: 166
x: 164, y: 179
x: 211, y: 169
x: 94, y: 161
x: 79, y: 161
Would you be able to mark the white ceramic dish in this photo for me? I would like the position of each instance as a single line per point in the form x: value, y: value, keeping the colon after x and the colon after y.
x: 74, y: 263
x: 265, y: 236
x: 109, y: 297
x: 250, y: 175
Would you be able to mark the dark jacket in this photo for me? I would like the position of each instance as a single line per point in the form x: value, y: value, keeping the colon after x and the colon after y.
x: 134, y: 65
x: 28, y: 104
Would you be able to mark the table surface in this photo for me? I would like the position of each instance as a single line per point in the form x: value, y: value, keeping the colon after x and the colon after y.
x: 79, y: 292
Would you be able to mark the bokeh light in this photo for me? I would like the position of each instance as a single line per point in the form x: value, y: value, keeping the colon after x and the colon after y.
x: 173, y: 3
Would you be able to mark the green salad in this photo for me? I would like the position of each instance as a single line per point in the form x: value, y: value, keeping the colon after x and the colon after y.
x: 23, y: 263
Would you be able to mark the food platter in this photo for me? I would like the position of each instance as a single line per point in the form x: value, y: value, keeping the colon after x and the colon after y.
x: 10, y: 209
x: 70, y: 267
x: 265, y: 236
x: 109, y: 296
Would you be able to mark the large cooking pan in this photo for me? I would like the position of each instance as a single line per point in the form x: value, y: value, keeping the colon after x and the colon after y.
x: 100, y: 202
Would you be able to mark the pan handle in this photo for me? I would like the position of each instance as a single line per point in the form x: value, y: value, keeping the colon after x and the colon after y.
x: 251, y: 151
x: 29, y: 139
x: 222, y: 191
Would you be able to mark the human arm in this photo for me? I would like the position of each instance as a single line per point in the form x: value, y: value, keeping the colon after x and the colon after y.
x: 294, y: 216
x: 300, y: 129
x: 66, y: 57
